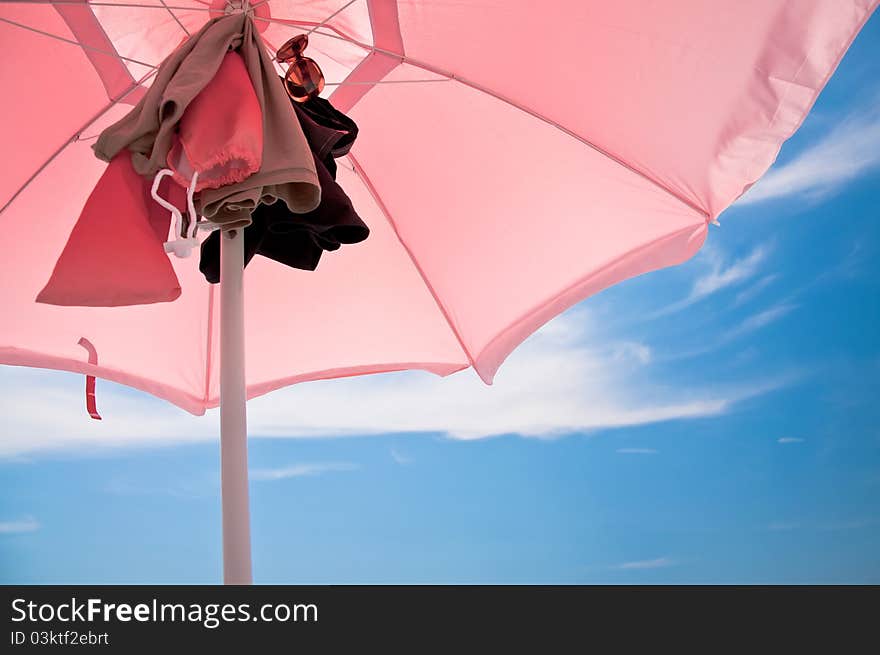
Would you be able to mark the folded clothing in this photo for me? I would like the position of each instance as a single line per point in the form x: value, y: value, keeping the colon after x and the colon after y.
x: 298, y: 240
x: 287, y: 172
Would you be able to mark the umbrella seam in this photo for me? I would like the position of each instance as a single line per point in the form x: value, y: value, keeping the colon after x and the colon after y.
x: 561, y: 128
x: 74, y: 137
x: 841, y: 52
x: 374, y: 193
x: 12, y: 356
x: 89, y: 3
x: 338, y: 373
x: 71, y: 24
x: 84, y: 46
x: 404, y: 59
x: 175, y: 17
x: 541, y: 307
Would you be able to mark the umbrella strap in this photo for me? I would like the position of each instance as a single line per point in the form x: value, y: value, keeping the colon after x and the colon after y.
x: 91, y: 405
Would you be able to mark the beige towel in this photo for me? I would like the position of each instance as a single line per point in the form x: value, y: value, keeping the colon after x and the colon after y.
x: 287, y: 172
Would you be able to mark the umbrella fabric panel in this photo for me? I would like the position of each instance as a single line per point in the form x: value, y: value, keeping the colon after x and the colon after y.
x: 276, y: 21
x: 697, y: 95
x: 365, y: 309
x: 51, y: 89
x: 510, y: 219
x: 158, y: 348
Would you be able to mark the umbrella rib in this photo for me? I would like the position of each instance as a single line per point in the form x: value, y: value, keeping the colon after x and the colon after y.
x: 549, y: 121
x: 373, y: 83
x: 404, y: 59
x: 331, y: 16
x: 174, y: 16
x: 77, y: 43
x: 101, y: 4
x: 361, y: 173
x: 74, y: 136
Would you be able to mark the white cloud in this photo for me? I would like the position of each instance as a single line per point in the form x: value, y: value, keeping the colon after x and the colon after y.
x: 719, y: 276
x: 752, y: 291
x: 789, y: 440
x: 848, y: 151
x: 191, y: 488
x: 748, y: 325
x: 659, y: 563
x: 854, y: 524
x: 629, y: 350
x: 401, y: 459
x: 637, y: 451
x: 554, y: 384
x: 299, y: 470
x: 759, y: 320
x: 18, y: 527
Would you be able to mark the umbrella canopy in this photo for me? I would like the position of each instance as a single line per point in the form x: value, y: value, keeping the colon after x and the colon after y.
x: 514, y: 159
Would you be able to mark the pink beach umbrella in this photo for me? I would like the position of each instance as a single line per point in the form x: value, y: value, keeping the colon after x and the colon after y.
x: 514, y: 158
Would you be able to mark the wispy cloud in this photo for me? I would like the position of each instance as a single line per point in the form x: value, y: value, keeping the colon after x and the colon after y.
x: 789, y: 440
x: 659, y: 563
x: 754, y: 290
x: 845, y: 153
x: 300, y: 470
x: 723, y: 277
x: 191, y: 488
x: 720, y: 276
x: 27, y: 524
x: 556, y: 383
x: 401, y: 459
x: 833, y: 526
x: 637, y: 451
x: 748, y: 325
x: 854, y: 524
x: 759, y: 320
x: 631, y: 350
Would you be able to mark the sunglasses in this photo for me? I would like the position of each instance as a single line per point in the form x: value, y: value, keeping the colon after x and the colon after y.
x: 304, y: 79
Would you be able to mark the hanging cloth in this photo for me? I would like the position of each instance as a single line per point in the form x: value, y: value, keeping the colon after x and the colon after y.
x: 299, y: 240
x: 114, y: 254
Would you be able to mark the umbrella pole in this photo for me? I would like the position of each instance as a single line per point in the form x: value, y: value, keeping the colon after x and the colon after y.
x: 233, y: 413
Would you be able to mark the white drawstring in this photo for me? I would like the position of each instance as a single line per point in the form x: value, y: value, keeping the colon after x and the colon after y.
x: 175, y: 213
x: 179, y: 244
x: 190, y: 205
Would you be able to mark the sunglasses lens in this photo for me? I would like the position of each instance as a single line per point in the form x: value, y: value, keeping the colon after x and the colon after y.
x: 304, y: 79
x: 293, y: 48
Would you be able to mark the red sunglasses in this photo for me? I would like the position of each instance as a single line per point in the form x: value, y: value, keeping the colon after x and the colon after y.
x: 304, y: 78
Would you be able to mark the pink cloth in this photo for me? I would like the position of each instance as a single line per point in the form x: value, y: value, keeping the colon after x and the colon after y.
x: 220, y: 134
x: 114, y: 255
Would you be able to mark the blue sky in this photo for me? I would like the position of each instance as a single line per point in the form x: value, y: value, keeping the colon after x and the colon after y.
x: 713, y: 423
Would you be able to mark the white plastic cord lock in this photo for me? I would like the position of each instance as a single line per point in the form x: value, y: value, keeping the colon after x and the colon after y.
x: 177, y: 244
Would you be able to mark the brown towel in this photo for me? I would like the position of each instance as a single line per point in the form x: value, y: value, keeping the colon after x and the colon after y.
x: 287, y: 172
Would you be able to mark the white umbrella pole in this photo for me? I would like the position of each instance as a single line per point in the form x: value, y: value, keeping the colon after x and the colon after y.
x: 233, y: 413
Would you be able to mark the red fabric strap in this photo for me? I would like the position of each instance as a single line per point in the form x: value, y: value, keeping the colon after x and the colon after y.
x: 91, y: 406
